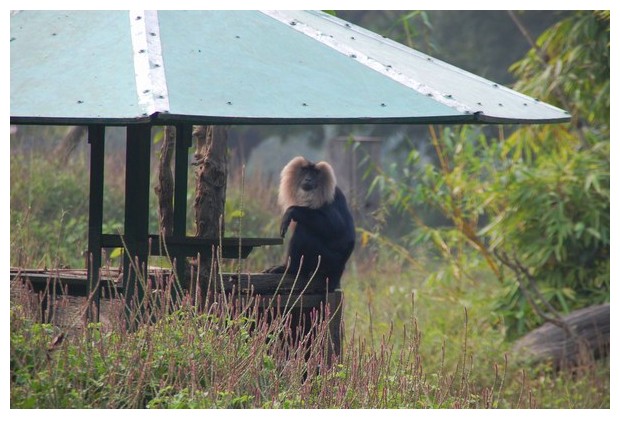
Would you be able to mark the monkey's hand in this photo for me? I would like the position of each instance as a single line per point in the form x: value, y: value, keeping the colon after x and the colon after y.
x: 286, y: 221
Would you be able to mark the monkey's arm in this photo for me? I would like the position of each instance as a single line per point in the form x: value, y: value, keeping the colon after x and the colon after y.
x: 287, y: 217
x: 311, y: 218
x: 322, y: 222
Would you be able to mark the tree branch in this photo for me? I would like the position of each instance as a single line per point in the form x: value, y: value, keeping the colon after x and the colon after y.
x: 527, y: 284
x: 165, y: 186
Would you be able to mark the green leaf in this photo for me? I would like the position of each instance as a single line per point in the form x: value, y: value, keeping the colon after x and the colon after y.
x: 593, y: 232
x: 237, y: 214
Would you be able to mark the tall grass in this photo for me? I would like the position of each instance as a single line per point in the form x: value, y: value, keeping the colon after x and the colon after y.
x: 231, y: 355
x: 239, y: 354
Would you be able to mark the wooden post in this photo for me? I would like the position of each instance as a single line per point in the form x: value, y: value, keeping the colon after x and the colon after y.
x: 137, y: 186
x: 183, y: 143
x: 335, y: 302
x: 96, y: 139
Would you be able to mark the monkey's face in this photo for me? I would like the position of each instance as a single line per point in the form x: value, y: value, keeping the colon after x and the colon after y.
x: 310, y: 178
x: 305, y: 184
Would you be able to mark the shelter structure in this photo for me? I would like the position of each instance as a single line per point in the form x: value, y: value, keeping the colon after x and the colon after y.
x: 140, y: 69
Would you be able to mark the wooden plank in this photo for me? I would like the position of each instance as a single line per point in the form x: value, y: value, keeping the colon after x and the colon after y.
x: 69, y: 282
x: 264, y: 284
x: 190, y: 246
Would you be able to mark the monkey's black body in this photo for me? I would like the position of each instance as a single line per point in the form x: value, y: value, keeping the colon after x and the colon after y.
x: 328, y: 232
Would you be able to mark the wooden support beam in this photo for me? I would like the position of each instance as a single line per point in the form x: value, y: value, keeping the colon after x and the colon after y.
x: 182, y: 145
x: 96, y: 139
x: 137, y: 188
x: 231, y: 247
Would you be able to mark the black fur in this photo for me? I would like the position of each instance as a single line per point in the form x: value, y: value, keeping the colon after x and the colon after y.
x: 327, y: 232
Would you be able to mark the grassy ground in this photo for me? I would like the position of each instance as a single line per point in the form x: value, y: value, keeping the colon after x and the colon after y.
x: 403, y: 348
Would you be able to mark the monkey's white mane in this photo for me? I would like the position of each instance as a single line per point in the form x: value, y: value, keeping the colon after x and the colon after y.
x: 291, y: 193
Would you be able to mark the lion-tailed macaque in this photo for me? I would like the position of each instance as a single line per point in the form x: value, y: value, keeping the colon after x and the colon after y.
x: 323, y: 229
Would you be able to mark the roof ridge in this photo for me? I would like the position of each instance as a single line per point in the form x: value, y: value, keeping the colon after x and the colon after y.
x: 149, y: 68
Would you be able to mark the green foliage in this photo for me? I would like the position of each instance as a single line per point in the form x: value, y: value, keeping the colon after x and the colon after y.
x: 49, y: 204
x: 49, y: 209
x: 570, y: 67
x: 252, y: 211
x: 534, y: 206
x: 551, y: 215
x: 557, y: 219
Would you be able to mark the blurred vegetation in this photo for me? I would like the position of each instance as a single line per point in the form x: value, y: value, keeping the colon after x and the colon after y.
x: 49, y: 199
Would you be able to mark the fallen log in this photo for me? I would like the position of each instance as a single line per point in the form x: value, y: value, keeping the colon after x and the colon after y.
x: 585, y: 339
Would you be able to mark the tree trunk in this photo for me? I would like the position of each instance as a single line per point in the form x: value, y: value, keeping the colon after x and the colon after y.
x: 587, y: 339
x: 211, y: 161
x: 165, y: 186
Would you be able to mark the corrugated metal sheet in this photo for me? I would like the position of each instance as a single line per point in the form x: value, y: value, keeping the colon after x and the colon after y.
x: 233, y: 67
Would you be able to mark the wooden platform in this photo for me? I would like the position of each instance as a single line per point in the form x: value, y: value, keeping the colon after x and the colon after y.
x: 74, y: 282
x: 280, y: 291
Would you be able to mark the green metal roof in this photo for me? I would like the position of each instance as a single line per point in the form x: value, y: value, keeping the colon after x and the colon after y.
x: 239, y: 67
